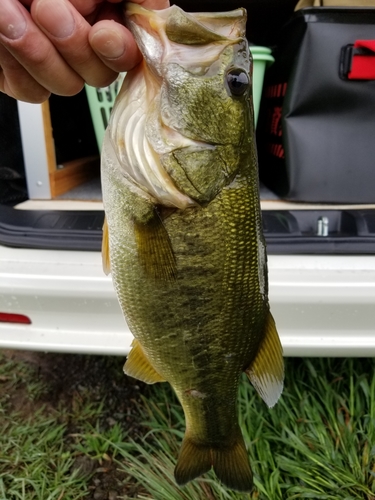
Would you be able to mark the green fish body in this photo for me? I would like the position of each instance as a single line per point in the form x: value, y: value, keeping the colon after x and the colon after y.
x: 183, y: 235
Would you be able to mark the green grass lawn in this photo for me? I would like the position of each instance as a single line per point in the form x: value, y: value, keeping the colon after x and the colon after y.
x: 75, y: 427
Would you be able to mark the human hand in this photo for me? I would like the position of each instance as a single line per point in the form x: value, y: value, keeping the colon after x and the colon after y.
x: 55, y: 46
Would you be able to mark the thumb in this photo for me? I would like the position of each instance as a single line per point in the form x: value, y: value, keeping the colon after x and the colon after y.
x: 114, y: 45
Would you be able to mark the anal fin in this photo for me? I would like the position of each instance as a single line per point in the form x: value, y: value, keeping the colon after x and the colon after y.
x: 266, y: 372
x: 155, y: 249
x: 138, y: 366
x: 105, y: 249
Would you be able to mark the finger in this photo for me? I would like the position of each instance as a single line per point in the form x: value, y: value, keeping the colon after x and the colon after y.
x: 35, y: 53
x: 112, y: 42
x: 153, y: 4
x: 90, y: 8
x: 87, y: 7
x: 29, y: 46
x: 16, y: 82
x: 68, y: 31
x: 114, y: 45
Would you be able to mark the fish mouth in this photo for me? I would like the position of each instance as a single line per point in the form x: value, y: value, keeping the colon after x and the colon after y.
x: 189, y: 39
x: 199, y: 28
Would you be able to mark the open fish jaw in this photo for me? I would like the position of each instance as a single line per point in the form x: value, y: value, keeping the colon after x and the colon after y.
x: 157, y: 31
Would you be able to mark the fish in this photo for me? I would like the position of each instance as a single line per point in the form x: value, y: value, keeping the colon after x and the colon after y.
x: 183, y: 234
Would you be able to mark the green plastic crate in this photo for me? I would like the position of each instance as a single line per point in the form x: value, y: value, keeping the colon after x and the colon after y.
x: 101, y: 101
x: 262, y: 58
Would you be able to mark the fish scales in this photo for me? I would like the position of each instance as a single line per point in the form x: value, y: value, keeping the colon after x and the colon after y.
x: 184, y: 232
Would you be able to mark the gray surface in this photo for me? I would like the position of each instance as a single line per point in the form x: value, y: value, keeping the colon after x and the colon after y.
x: 267, y: 194
x: 90, y: 190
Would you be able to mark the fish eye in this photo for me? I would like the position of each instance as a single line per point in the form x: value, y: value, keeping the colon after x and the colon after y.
x: 238, y: 82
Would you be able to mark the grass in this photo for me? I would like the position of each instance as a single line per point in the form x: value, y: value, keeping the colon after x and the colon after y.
x: 35, y: 462
x: 318, y: 442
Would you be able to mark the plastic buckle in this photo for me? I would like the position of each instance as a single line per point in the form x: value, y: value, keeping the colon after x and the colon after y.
x: 346, y: 58
x: 348, y: 52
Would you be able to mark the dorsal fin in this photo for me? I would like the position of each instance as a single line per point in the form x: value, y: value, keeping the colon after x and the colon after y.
x: 266, y: 372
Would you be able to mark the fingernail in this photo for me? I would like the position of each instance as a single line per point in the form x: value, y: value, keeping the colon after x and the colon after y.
x: 55, y: 17
x: 108, y: 43
x: 12, y: 20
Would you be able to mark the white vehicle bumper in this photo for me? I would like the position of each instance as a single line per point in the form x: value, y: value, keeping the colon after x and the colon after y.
x: 323, y: 305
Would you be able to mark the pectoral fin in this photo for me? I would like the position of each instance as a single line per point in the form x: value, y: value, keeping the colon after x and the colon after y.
x: 105, y: 249
x: 138, y: 366
x: 266, y: 372
x: 154, y: 249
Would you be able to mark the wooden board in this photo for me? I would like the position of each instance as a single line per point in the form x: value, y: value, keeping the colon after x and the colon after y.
x: 71, y: 174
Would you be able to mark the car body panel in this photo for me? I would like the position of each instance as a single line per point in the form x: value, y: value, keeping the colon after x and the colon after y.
x: 323, y: 305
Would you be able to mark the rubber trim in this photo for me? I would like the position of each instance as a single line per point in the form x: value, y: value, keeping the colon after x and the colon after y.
x: 286, y: 231
x: 51, y: 229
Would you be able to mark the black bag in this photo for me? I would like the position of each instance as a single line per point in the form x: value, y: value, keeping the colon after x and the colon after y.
x: 12, y: 172
x: 316, y: 135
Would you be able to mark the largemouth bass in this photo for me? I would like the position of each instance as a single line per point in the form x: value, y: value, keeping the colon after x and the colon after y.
x: 183, y: 237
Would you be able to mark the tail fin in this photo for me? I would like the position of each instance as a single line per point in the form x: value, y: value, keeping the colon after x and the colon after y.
x: 194, y: 460
x: 230, y: 463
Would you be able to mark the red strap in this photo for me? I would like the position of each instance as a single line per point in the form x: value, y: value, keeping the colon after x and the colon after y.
x: 363, y: 64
